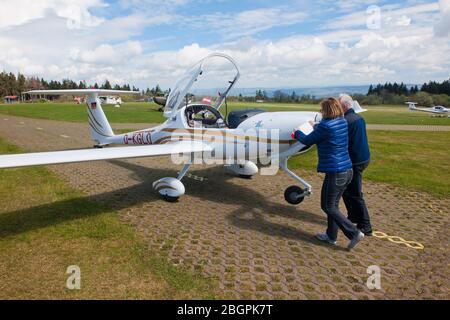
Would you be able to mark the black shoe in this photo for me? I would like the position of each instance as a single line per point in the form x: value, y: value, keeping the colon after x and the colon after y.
x: 367, y: 231
x: 353, y: 220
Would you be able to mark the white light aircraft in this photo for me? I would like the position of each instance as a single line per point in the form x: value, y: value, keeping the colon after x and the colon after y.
x: 243, y: 140
x: 436, y: 110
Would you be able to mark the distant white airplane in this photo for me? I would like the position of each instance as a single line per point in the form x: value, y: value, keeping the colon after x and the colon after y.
x: 114, y: 100
x: 437, y: 110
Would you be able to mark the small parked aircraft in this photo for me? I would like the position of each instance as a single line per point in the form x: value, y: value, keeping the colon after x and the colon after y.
x: 243, y: 139
x: 114, y: 100
x: 436, y: 110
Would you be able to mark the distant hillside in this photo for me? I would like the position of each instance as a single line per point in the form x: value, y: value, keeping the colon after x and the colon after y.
x: 317, y: 92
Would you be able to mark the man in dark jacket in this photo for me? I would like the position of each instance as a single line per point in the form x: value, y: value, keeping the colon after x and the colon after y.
x: 359, y: 152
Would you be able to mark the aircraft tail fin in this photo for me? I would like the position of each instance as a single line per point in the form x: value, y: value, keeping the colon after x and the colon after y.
x: 411, y: 105
x: 99, y: 127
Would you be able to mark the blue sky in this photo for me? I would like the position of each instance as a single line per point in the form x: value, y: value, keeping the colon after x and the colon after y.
x: 189, y: 23
x: 276, y: 43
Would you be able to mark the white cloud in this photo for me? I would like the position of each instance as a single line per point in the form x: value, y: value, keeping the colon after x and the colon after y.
x: 390, y: 15
x: 404, y: 49
x: 248, y: 22
x: 152, y: 5
x: 106, y: 54
x: 18, y: 12
x: 442, y: 28
x: 403, y: 21
x: 350, y: 5
x: 316, y: 61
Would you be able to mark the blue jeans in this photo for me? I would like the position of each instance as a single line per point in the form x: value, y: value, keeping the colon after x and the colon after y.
x: 354, y: 199
x: 333, y: 187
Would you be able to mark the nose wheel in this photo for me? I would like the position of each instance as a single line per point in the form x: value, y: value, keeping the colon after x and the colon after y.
x: 294, y: 195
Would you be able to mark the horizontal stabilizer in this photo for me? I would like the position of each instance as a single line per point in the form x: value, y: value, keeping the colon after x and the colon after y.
x: 81, y: 92
x: 68, y: 156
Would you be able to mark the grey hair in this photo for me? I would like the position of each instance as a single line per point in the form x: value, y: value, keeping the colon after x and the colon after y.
x: 346, y: 100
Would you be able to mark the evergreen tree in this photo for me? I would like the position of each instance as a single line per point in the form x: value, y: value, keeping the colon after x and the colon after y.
x: 106, y: 85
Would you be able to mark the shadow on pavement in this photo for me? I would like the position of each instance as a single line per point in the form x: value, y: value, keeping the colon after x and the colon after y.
x: 219, y: 189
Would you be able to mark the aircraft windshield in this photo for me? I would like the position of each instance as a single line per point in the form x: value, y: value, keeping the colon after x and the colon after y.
x: 215, y: 64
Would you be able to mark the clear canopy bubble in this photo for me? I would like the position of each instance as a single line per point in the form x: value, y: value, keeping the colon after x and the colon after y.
x: 212, y: 78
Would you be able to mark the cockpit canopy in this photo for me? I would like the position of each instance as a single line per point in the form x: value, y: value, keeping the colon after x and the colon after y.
x: 214, y: 63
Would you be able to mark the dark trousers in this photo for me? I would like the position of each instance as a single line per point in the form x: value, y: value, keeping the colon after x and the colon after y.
x: 333, y: 187
x: 354, y: 199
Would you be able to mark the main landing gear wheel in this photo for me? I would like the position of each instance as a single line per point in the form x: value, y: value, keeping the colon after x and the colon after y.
x: 170, y: 189
x: 294, y: 195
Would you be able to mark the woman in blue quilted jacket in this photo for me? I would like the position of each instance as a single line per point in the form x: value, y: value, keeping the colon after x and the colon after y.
x: 331, y: 137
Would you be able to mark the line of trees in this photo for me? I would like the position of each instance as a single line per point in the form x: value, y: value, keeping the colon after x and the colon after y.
x: 431, y: 87
x: 10, y: 84
x: 278, y: 96
x: 429, y: 94
x: 436, y: 87
x: 393, y: 88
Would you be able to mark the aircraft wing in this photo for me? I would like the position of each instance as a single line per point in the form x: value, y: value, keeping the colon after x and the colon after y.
x: 68, y: 156
x: 80, y: 92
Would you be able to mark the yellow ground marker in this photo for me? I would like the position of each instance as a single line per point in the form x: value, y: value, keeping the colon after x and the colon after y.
x: 399, y: 240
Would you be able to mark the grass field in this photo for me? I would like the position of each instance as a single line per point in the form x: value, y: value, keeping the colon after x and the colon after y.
x: 418, y: 161
x: 140, y: 112
x: 46, y: 226
x: 128, y: 113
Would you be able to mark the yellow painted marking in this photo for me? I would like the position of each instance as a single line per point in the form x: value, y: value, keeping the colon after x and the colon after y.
x: 64, y: 136
x: 39, y: 128
x: 399, y: 240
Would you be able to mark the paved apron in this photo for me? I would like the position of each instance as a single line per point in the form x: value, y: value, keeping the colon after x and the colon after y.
x: 242, y: 234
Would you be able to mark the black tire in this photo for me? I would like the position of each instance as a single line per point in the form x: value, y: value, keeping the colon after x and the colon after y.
x: 245, y: 176
x: 291, y: 195
x: 170, y: 199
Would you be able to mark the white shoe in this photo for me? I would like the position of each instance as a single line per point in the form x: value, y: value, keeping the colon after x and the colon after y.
x: 325, y: 238
x: 356, y: 239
